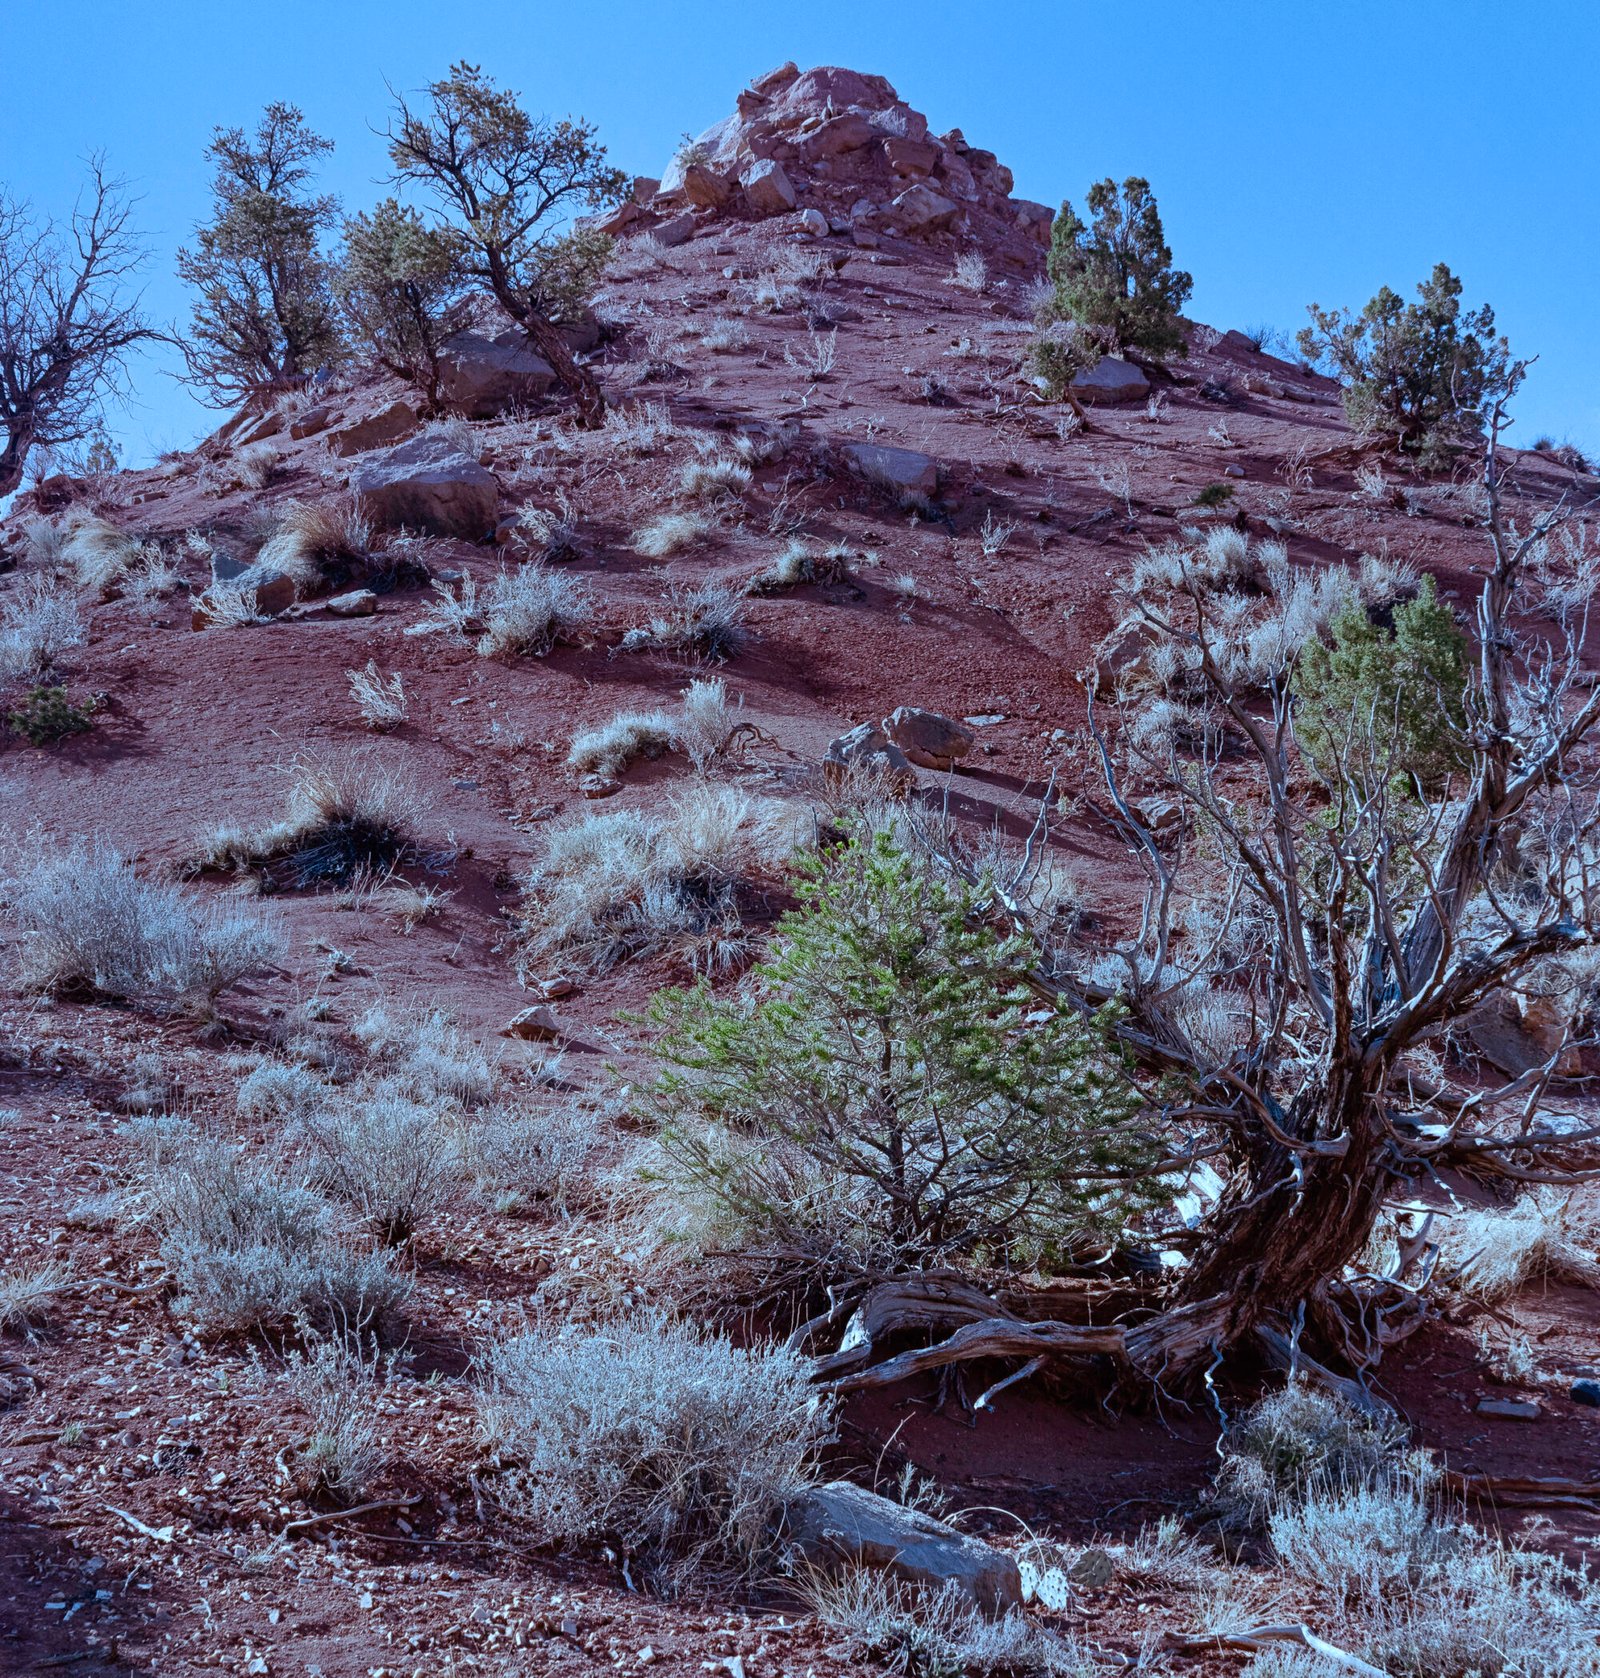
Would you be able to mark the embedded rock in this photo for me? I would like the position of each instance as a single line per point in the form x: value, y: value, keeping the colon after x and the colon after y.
x: 537, y: 1024
x: 929, y: 740
x: 898, y: 469
x: 677, y: 231
x: 919, y: 210
x: 705, y: 189
x: 1111, y: 381
x: 428, y: 484
x: 386, y: 426
x: 839, y: 1525
x: 481, y: 377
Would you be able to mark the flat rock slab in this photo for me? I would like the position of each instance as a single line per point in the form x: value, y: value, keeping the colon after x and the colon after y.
x: 481, y: 377
x: 899, y: 469
x: 1509, y: 1409
x: 840, y: 1525
x: 388, y: 425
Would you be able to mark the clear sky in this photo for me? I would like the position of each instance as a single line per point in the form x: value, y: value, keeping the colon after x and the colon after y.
x: 1300, y: 151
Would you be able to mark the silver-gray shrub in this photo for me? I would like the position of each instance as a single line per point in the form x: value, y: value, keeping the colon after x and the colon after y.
x: 87, y: 920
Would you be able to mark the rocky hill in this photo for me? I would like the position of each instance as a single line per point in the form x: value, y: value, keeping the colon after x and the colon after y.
x: 826, y: 481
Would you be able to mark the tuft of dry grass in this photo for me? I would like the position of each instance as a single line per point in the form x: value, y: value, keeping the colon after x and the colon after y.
x: 619, y: 883
x: 609, y: 749
x: 350, y: 817
x: 532, y: 611
x: 28, y: 1298
x: 705, y: 623
x: 257, y: 465
x: 321, y: 544
x: 671, y: 533
x: 380, y: 699
x: 799, y: 562
x: 713, y: 478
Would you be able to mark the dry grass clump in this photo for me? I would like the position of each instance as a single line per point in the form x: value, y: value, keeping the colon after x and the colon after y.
x: 1296, y: 1439
x: 800, y: 562
x: 532, y: 611
x: 709, y: 724
x: 726, y: 335
x: 1489, y: 1253
x: 704, y: 623
x: 620, y: 883
x: 971, y: 272
x: 87, y: 922
x: 392, y: 1157
x: 657, y: 1436
x: 250, y: 1249
x: 671, y: 533
x: 380, y: 699
x: 548, y: 533
x: 38, y: 622
x: 630, y: 735
x: 99, y: 553
x: 28, y: 1298
x: 257, y: 465
x: 322, y: 545
x: 336, y: 1384
x: 350, y: 817
x: 713, y: 478
x: 913, y: 1629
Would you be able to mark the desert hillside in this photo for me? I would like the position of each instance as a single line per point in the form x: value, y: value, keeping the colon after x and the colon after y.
x: 444, y: 730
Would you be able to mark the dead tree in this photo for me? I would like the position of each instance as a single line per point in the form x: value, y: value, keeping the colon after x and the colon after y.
x: 66, y: 322
x: 504, y: 182
x: 1308, y: 942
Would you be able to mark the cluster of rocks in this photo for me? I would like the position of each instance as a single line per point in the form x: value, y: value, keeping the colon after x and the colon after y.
x: 908, y: 735
x: 842, y: 153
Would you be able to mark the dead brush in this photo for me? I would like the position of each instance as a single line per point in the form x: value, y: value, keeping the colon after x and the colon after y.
x: 350, y: 815
x: 802, y: 562
x: 704, y: 624
x: 380, y: 699
x: 610, y: 748
x: 29, y: 1297
x: 322, y: 545
x: 548, y: 533
x: 336, y: 1384
x: 256, y: 466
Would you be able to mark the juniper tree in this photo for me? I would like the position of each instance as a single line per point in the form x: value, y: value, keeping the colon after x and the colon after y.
x: 504, y: 184
x: 67, y: 323
x: 1115, y: 272
x: 1423, y: 374
x: 396, y: 281
x: 1390, y: 700
x: 265, y: 311
x: 885, y: 1095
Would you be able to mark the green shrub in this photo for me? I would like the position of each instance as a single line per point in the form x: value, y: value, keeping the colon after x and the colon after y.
x: 1422, y: 373
x: 47, y: 715
x: 886, y: 1094
x: 1116, y: 272
x: 1214, y: 495
x: 1391, y: 701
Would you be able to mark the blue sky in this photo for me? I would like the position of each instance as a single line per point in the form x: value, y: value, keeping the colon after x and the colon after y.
x: 1299, y: 151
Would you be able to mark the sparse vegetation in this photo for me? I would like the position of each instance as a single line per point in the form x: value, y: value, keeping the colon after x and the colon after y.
x: 630, y: 735
x: 532, y: 610
x: 671, y: 533
x: 705, y: 623
x: 322, y: 545
x: 1422, y: 374
x: 380, y: 699
x: 659, y: 1436
x: 38, y: 622
x: 87, y: 922
x: 46, y: 716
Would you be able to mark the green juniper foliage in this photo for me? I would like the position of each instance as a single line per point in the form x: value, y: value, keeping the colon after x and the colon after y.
x: 46, y: 715
x: 1386, y: 701
x: 396, y: 282
x: 1115, y: 272
x: 887, y: 1095
x: 1422, y: 373
x: 265, y: 310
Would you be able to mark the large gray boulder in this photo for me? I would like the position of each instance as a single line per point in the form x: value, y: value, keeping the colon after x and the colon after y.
x: 919, y: 210
x: 892, y: 468
x: 1111, y: 381
x: 481, y: 377
x: 428, y: 484
x: 929, y: 740
x: 839, y: 1525
x: 767, y: 189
